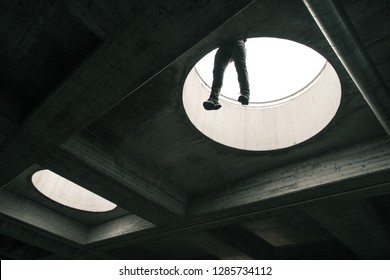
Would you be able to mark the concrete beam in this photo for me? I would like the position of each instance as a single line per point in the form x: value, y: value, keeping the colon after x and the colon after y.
x: 128, y: 174
x: 243, y: 240
x: 60, y: 249
x: 34, y: 238
x: 116, y: 228
x: 113, y: 72
x: 356, y: 225
x: 54, y: 232
x: 231, y: 243
x: 343, y: 38
x: 216, y: 247
x: 117, y: 189
x: 37, y: 217
x: 41, y: 220
x: 317, y: 178
x: 288, y: 229
x: 348, y: 175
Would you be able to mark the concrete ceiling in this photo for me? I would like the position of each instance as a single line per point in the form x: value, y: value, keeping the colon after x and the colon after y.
x: 92, y: 90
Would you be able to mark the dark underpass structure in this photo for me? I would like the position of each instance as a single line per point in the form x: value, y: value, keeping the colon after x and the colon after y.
x: 107, y: 153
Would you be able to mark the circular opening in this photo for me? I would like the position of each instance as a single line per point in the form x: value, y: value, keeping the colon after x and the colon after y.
x: 291, y: 99
x: 277, y: 69
x: 68, y: 193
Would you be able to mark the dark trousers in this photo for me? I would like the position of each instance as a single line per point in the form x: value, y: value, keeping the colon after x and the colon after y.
x: 234, y: 51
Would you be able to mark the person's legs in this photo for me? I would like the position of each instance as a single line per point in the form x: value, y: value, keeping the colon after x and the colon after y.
x: 221, y: 61
x: 239, y: 57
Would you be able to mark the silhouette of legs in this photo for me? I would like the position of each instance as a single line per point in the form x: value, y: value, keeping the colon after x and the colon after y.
x: 234, y: 51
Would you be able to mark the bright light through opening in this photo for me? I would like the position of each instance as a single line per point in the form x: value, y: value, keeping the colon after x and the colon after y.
x: 68, y: 193
x: 277, y: 69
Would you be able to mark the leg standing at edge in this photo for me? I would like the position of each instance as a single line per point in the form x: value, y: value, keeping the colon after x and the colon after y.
x: 232, y: 51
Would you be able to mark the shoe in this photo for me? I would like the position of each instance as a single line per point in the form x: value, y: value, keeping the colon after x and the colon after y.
x: 243, y: 99
x: 211, y: 104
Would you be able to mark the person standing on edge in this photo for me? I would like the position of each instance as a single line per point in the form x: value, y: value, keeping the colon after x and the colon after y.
x: 231, y: 51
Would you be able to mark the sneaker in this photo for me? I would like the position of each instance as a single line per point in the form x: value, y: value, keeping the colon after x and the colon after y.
x: 243, y: 99
x: 211, y: 104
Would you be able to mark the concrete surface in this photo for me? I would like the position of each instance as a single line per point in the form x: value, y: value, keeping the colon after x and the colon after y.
x: 92, y: 90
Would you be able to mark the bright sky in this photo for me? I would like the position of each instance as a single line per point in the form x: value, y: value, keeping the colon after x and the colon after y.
x: 276, y: 67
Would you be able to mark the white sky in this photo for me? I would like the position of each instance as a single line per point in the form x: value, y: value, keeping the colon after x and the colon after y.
x: 276, y: 67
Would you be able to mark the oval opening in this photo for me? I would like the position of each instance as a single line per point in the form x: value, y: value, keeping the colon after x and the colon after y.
x: 277, y: 69
x: 290, y: 114
x: 67, y: 193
